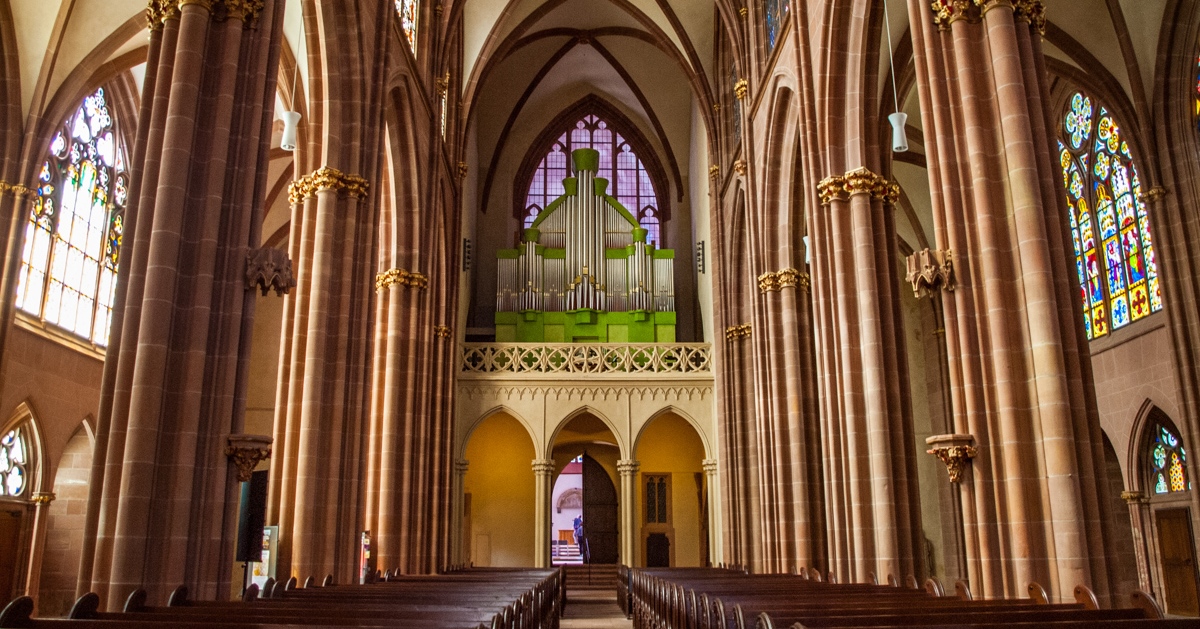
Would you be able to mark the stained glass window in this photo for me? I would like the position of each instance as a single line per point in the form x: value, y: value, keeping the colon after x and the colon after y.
x: 1110, y: 227
x: 1196, y: 96
x: 14, y: 461
x: 775, y: 13
x: 735, y: 107
x: 68, y: 270
x: 408, y: 20
x: 1168, y: 462
x: 619, y: 163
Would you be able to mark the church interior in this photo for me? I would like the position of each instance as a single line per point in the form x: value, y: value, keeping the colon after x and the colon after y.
x: 868, y: 288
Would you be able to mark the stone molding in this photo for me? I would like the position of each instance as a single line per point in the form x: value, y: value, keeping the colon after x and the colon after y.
x: 586, y: 358
x: 955, y: 451
x: 930, y: 271
x: 710, y: 466
x: 246, y: 451
x: 400, y: 277
x: 269, y: 269
x: 784, y: 278
x: 735, y: 332
x: 628, y: 467
x: 543, y: 467
x: 857, y: 181
x: 326, y: 178
x: 461, y: 466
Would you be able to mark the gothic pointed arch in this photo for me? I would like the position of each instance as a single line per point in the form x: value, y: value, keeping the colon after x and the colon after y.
x: 630, y: 162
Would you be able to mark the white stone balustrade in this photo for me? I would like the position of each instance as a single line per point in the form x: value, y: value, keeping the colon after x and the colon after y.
x: 587, y: 358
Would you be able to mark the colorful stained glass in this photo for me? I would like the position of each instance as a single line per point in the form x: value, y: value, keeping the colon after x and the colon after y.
x: 775, y: 13
x: 13, y: 462
x: 1196, y: 96
x: 619, y: 163
x: 408, y: 11
x: 1168, y: 462
x: 73, y: 238
x: 1130, y: 290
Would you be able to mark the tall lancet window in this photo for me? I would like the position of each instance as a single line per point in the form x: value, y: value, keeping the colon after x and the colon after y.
x: 408, y: 20
x: 629, y: 181
x: 68, y: 270
x: 775, y: 13
x: 1114, y: 254
x: 1167, y: 461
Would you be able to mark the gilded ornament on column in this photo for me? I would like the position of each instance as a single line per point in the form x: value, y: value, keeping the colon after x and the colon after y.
x: 400, y: 277
x: 739, y: 167
x: 326, y: 178
x: 1134, y: 497
x: 862, y: 181
x: 244, y: 10
x: 1149, y: 196
x: 246, y: 452
x: 737, y: 332
x: 743, y: 12
x: 930, y: 271
x: 1031, y: 12
x: 768, y: 282
x: 441, y: 331
x: 15, y: 188
x: 462, y: 171
x: 442, y: 84
x: 269, y: 269
x: 714, y: 171
x: 955, y: 451
x: 783, y: 278
x: 831, y: 188
x: 741, y: 88
x: 43, y: 497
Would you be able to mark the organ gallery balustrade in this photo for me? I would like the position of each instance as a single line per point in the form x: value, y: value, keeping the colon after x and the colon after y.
x: 565, y: 359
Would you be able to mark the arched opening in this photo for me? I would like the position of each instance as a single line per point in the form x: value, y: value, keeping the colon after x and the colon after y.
x: 498, y: 494
x: 64, y: 531
x: 585, y: 454
x: 1163, y: 467
x: 672, y: 495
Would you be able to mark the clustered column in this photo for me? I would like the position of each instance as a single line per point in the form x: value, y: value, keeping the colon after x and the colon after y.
x: 1031, y: 504
x: 175, y: 377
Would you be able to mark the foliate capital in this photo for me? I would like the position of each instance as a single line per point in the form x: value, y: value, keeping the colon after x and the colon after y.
x: 326, y: 178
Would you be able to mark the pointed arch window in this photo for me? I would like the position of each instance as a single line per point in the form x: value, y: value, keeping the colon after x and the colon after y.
x: 1167, y: 461
x: 68, y: 272
x: 408, y: 10
x: 14, y: 463
x: 629, y: 180
x: 775, y: 15
x: 1110, y: 224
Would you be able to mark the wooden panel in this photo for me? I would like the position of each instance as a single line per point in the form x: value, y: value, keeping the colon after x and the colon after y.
x: 1176, y: 547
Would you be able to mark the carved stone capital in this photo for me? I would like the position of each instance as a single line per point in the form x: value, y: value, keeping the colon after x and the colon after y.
x: 269, y: 269
x: 43, y: 497
x: 326, y: 178
x: 1032, y: 12
x: 1134, y: 497
x: 246, y: 451
x: 832, y: 188
x: 737, y: 332
x: 947, y: 12
x: 955, y: 451
x: 628, y: 467
x: 739, y: 167
x: 461, y: 466
x: 741, y: 89
x: 543, y: 467
x: 463, y: 169
x: 245, y: 10
x: 441, y: 332
x: 16, y: 189
x: 743, y: 12
x: 714, y: 171
x: 710, y: 466
x: 1149, y: 196
x: 400, y: 277
x: 930, y: 271
x: 442, y: 85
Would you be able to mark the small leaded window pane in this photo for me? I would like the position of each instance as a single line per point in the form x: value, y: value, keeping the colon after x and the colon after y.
x: 73, y: 238
x: 775, y: 12
x: 408, y: 20
x: 629, y: 181
x: 1110, y: 228
x: 1168, y: 462
x: 13, y: 463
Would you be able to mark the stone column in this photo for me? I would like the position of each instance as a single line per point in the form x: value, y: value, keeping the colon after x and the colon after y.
x: 712, y: 478
x: 1140, y: 521
x: 543, y: 475
x: 628, y: 469
x: 177, y: 365
x: 458, y: 554
x: 37, y: 548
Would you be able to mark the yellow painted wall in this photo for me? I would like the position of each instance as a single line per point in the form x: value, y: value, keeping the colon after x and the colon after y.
x: 500, y: 481
x: 670, y: 444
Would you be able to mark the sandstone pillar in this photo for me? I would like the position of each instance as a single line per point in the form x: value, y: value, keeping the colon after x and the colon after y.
x: 629, y: 523
x: 543, y: 475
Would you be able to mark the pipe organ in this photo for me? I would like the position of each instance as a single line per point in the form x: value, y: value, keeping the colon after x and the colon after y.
x: 583, y: 272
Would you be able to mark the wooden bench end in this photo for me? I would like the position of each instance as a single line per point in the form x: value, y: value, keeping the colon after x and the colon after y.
x: 17, y: 613
x: 179, y: 597
x: 1086, y: 597
x: 1147, y: 604
x: 136, y: 601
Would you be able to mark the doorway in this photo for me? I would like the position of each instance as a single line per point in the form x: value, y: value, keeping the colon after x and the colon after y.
x: 1178, y: 556
x: 584, y: 509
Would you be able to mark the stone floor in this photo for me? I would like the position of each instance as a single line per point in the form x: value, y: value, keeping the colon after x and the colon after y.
x: 594, y: 609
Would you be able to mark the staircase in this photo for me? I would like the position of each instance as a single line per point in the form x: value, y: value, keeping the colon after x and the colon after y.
x: 591, y: 578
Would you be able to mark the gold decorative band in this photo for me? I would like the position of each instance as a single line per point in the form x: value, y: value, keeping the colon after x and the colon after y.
x: 785, y: 278
x: 1031, y: 12
x: 857, y: 181
x: 737, y: 332
x: 947, y: 12
x: 326, y: 178
x: 400, y: 277
x: 16, y: 189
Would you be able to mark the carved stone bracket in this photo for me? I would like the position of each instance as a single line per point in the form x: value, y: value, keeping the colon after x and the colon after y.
x: 930, y: 271
x: 400, y: 277
x: 326, y: 178
x: 43, y: 497
x: 544, y: 467
x: 784, y: 278
x: 246, y: 451
x: 269, y: 269
x: 955, y: 451
x: 15, y: 188
x: 741, y: 89
x: 737, y: 332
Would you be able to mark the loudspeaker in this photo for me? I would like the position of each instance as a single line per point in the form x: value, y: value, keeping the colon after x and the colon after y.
x: 252, y: 517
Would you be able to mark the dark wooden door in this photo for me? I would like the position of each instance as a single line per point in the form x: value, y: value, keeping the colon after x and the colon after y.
x: 658, y: 551
x: 10, y: 546
x: 1178, y: 553
x: 599, y: 513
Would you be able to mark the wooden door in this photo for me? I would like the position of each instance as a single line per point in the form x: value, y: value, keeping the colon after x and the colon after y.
x: 599, y: 513
x: 10, y: 548
x: 1178, y: 553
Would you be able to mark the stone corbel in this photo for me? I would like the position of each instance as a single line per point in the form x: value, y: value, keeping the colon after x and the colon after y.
x: 955, y: 451
x: 246, y: 451
x: 269, y: 269
x: 930, y: 271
